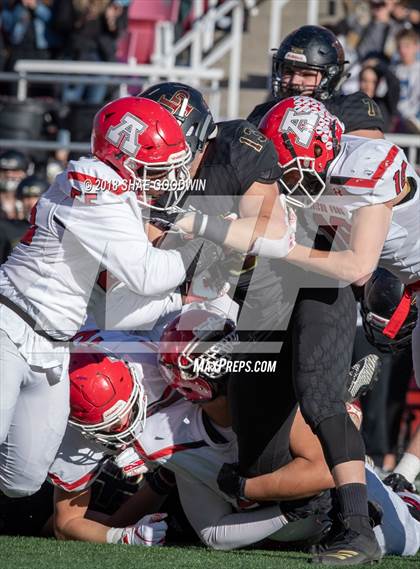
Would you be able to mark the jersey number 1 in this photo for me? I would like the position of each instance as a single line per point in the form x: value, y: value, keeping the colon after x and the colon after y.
x: 400, y: 178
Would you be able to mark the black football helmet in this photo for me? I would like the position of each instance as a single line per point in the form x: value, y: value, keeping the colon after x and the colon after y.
x: 31, y: 187
x: 382, y: 294
x: 188, y: 107
x: 309, y: 47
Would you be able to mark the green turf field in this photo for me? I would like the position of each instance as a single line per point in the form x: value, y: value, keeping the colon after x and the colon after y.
x: 33, y: 553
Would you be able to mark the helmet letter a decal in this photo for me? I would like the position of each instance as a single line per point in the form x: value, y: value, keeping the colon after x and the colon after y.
x: 302, y: 125
x: 125, y: 134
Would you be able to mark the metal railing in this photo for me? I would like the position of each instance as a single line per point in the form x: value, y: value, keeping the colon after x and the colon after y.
x: 122, y: 74
x: 204, y: 49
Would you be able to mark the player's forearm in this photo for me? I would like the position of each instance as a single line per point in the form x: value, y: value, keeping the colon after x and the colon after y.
x: 298, y: 479
x: 343, y: 265
x: 243, y: 232
x: 82, y: 529
x: 144, y: 501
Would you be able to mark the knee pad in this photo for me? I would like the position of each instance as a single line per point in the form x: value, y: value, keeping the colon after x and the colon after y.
x: 340, y: 440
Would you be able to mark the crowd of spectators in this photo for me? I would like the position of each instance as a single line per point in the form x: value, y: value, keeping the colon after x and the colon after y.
x: 381, y: 40
x: 75, y: 30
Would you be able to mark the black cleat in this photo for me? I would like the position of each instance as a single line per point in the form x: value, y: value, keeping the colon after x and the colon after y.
x: 362, y: 376
x: 349, y: 547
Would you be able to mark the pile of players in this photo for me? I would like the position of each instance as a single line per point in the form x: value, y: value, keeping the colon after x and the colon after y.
x: 134, y: 293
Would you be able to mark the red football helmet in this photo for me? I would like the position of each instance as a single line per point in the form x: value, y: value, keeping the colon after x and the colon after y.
x: 107, y: 400
x: 194, y: 351
x: 307, y: 138
x: 144, y: 143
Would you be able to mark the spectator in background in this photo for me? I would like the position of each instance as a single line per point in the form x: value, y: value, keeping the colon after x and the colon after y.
x: 28, y: 192
x: 92, y: 28
x: 27, y: 30
x: 408, y: 73
x: 407, y: 12
x: 377, y: 38
x: 13, y: 170
x: 378, y: 82
x: 14, y: 166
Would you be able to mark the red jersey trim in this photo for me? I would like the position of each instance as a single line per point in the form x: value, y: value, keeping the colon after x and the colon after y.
x: 377, y: 175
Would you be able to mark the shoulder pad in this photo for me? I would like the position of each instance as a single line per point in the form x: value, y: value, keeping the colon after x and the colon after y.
x: 93, y: 182
x: 259, y: 111
x: 372, y: 168
x: 255, y: 158
x: 357, y: 111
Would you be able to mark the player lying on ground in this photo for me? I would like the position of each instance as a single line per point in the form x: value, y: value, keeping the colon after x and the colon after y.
x: 193, y: 441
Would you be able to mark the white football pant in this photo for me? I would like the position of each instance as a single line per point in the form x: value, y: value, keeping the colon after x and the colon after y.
x: 33, y: 417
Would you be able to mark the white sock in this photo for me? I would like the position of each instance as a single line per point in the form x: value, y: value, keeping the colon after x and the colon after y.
x: 409, y: 466
x: 114, y: 535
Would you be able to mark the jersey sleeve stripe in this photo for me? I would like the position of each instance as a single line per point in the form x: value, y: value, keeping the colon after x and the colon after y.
x: 368, y: 182
x: 169, y: 451
x: 76, y: 485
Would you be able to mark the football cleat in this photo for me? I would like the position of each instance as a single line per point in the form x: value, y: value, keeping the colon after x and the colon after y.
x: 350, y: 547
x: 362, y: 376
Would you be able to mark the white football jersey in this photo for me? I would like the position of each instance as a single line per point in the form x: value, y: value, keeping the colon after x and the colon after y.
x: 368, y: 172
x: 88, y: 219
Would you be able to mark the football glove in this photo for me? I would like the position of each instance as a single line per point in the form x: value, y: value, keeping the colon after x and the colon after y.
x: 148, y: 531
x: 230, y: 482
x: 130, y: 462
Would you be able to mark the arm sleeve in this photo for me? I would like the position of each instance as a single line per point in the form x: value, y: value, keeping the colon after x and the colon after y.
x: 215, y: 522
x: 114, y: 236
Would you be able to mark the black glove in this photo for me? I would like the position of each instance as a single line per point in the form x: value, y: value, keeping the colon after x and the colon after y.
x: 399, y: 483
x: 230, y: 482
x: 198, y: 254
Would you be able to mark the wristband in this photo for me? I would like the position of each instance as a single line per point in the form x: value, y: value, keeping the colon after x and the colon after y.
x: 113, y: 535
x: 212, y: 227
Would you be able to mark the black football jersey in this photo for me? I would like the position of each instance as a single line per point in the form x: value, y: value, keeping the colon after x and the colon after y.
x: 237, y: 157
x: 356, y: 111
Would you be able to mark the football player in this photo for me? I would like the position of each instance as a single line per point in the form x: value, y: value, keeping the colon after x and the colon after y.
x: 88, y: 219
x: 310, y: 61
x: 381, y: 296
x: 364, y: 193
x: 193, y: 441
x: 321, y: 320
x: 368, y: 192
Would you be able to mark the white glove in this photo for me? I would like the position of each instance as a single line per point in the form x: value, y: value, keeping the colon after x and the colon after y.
x: 148, y: 531
x: 278, y: 248
x: 130, y: 462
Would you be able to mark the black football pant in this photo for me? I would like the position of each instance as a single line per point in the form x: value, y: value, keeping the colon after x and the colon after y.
x: 312, y: 370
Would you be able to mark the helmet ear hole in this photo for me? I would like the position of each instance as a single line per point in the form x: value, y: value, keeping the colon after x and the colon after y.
x: 318, y: 150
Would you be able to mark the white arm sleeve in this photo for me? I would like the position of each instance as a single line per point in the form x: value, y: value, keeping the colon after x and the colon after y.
x: 114, y: 236
x: 217, y: 525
